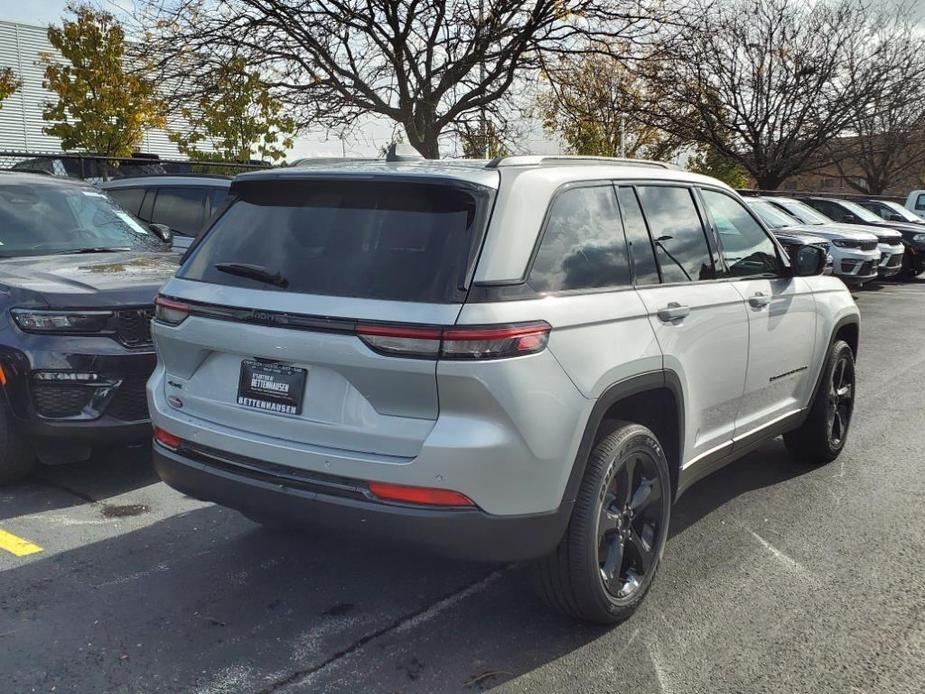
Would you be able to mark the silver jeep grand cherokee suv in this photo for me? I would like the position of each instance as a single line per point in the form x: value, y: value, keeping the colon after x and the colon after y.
x: 529, y: 358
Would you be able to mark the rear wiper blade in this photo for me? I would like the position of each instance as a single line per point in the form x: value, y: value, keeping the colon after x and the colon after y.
x: 254, y: 272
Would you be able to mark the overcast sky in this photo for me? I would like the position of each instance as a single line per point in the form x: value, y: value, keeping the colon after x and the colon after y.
x: 366, y: 142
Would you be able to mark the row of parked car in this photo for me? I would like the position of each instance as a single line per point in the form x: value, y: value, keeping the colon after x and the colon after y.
x: 867, y: 239
x: 523, y: 359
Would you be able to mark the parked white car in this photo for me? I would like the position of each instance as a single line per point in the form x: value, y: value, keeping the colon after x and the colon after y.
x: 855, y: 254
x: 916, y: 202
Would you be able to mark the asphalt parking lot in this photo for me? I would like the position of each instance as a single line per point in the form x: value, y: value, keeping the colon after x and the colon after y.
x: 775, y: 578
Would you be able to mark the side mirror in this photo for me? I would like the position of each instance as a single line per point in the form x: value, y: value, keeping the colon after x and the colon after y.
x: 895, y: 218
x: 163, y: 232
x: 806, y: 261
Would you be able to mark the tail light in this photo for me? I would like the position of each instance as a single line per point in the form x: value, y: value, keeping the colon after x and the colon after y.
x: 402, y: 341
x: 169, y: 311
x: 419, y: 495
x: 458, y: 342
x: 166, y: 439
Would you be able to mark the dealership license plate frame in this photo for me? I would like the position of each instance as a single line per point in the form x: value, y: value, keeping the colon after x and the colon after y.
x: 271, y: 398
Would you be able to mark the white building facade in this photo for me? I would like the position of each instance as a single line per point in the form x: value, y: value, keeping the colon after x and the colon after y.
x: 21, y: 123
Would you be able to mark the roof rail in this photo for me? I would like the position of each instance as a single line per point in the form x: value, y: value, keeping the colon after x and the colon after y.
x: 324, y: 161
x: 29, y: 171
x: 560, y: 159
x: 170, y: 174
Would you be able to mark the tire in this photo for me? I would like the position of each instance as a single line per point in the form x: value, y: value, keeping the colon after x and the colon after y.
x: 822, y: 436
x: 910, y: 269
x: 607, y: 560
x: 16, y: 455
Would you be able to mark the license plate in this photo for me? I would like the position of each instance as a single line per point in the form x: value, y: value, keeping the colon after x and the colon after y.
x: 271, y: 387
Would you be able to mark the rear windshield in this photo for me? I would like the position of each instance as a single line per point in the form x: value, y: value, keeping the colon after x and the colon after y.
x: 403, y: 241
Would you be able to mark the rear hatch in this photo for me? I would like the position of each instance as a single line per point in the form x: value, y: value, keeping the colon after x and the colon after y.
x: 277, y: 290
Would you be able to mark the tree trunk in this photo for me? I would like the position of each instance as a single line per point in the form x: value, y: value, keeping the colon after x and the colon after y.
x: 424, y: 142
x: 768, y: 180
x: 876, y: 185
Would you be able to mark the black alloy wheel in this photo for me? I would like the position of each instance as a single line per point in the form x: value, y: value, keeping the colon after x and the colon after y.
x: 840, y: 401
x: 629, y: 524
x: 607, y: 560
x: 823, y: 434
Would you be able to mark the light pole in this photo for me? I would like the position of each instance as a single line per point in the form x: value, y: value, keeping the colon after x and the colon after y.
x: 622, y: 136
x: 483, y: 125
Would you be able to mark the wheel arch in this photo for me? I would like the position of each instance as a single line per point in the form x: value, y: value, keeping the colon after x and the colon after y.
x: 654, y: 399
x: 849, y: 330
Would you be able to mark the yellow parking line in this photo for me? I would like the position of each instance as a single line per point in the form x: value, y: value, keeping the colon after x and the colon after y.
x: 16, y: 545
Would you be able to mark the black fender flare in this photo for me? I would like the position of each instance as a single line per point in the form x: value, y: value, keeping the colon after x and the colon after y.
x: 634, y: 385
x: 841, y: 323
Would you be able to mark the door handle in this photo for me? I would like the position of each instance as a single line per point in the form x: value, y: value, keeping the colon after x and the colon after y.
x: 758, y: 300
x: 673, y: 311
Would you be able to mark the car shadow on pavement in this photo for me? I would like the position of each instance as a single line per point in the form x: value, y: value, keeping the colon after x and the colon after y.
x: 769, y: 465
x: 206, y: 600
x: 109, y: 473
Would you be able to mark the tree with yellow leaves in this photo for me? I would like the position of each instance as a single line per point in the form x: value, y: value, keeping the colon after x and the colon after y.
x: 237, y: 116
x: 103, y: 106
x: 8, y: 84
x: 591, y: 102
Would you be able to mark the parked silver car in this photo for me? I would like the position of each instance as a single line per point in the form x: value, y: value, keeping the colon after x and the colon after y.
x: 184, y: 203
x: 522, y: 359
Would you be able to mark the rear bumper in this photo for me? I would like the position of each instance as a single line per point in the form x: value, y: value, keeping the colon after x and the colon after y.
x: 469, y: 534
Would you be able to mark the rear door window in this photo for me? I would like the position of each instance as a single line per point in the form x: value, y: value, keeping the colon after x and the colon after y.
x: 881, y: 211
x: 677, y: 233
x: 180, y: 208
x: 829, y: 209
x: 583, y: 245
x: 920, y: 203
x: 637, y: 237
x: 402, y: 241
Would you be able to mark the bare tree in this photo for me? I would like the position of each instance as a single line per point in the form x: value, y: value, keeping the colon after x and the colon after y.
x: 885, y: 141
x: 766, y: 83
x: 425, y: 64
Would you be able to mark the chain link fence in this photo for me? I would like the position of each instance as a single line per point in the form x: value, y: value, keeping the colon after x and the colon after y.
x: 96, y: 168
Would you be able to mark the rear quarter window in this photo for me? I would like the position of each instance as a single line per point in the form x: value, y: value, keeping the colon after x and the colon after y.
x: 180, y: 208
x: 129, y: 199
x: 583, y: 245
x: 403, y: 241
